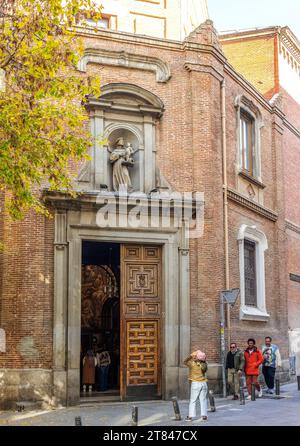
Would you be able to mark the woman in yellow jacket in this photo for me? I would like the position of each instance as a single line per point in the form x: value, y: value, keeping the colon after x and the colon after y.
x: 197, y: 365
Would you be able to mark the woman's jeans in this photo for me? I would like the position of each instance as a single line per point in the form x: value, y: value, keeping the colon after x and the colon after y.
x: 198, y: 390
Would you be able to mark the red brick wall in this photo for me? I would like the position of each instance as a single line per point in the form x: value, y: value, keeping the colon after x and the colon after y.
x: 27, y: 292
x: 291, y: 154
x: 190, y: 156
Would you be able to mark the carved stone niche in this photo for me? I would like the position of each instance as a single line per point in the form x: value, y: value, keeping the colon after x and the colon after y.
x: 129, y: 112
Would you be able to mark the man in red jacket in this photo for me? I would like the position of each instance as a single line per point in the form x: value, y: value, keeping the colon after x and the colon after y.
x: 253, y: 359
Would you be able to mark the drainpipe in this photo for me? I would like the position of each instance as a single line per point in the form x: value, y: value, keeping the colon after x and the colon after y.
x: 225, y: 200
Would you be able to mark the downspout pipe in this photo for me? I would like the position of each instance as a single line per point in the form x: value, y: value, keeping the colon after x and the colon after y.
x: 225, y: 200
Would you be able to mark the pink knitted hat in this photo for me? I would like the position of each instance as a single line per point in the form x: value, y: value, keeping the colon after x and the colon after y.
x: 201, y: 356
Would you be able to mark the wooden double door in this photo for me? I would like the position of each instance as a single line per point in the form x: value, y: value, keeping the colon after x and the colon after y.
x: 140, y: 366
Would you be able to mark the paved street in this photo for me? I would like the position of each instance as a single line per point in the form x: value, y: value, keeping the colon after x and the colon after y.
x: 266, y: 411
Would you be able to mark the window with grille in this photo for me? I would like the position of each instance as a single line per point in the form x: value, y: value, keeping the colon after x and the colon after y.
x: 250, y: 273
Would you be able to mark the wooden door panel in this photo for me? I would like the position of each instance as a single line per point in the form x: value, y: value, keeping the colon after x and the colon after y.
x: 142, y: 281
x: 142, y: 352
x: 141, y: 306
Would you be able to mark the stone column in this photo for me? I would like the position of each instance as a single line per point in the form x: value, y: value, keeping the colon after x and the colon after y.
x: 184, y: 312
x: 171, y: 318
x: 60, y: 308
x: 100, y: 154
x: 74, y: 320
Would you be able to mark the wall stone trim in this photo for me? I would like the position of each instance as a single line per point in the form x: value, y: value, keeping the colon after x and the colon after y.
x: 292, y: 226
x: 265, y: 212
x: 124, y: 59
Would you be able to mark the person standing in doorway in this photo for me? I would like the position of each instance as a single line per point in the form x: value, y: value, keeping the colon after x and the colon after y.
x: 235, y: 362
x: 89, y: 367
x: 197, y: 365
x: 253, y: 359
x: 103, y: 362
x: 272, y: 360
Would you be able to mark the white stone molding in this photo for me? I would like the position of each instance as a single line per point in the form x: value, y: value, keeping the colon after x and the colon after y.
x: 126, y: 126
x: 255, y: 207
x: 132, y: 109
x: 175, y: 306
x: 242, y: 103
x: 60, y: 306
x: 258, y: 313
x: 124, y: 59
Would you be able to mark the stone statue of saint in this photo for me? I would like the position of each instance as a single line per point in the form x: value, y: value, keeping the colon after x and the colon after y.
x: 121, y: 158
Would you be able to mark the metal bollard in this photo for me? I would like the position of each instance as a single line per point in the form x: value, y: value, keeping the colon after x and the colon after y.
x: 135, y: 415
x: 78, y: 421
x: 253, y: 397
x: 242, y: 396
x: 298, y: 379
x: 277, y: 387
x: 176, y: 408
x: 211, y: 401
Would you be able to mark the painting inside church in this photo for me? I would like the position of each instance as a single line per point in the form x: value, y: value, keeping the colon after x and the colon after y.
x: 98, y: 284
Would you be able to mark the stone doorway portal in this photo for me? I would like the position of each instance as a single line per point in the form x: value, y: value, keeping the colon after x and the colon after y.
x: 121, y: 314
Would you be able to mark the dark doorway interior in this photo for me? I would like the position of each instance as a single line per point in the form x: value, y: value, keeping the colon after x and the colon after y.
x: 100, y: 319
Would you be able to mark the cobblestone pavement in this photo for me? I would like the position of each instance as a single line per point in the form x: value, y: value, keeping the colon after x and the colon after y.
x: 266, y: 411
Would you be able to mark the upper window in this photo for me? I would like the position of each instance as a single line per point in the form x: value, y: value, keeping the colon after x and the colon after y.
x: 247, y: 138
x: 104, y: 22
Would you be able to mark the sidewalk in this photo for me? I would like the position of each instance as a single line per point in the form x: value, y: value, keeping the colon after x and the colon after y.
x: 266, y: 411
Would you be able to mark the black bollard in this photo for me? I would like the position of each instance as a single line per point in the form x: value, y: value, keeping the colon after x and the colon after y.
x: 78, y: 421
x: 253, y: 398
x: 277, y: 387
x: 135, y: 415
x: 176, y: 408
x: 298, y: 379
x: 211, y: 401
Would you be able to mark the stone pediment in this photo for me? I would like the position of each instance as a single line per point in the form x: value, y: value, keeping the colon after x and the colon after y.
x: 101, y: 56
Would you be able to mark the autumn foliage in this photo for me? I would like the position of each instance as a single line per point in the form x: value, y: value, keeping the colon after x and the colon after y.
x: 42, y: 96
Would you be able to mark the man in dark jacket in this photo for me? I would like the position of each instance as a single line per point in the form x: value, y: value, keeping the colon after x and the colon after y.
x: 235, y: 362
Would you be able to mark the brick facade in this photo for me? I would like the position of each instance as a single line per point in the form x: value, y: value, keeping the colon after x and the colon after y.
x: 277, y: 72
x: 189, y: 152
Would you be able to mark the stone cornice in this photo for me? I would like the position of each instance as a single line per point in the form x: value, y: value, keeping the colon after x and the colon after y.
x: 203, y: 68
x: 255, y: 207
x: 94, y: 200
x: 292, y: 226
x: 290, y: 41
x: 124, y: 37
x: 124, y: 59
x: 200, y: 47
x: 292, y: 128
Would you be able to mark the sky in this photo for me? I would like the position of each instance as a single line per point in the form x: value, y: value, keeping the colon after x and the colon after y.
x: 243, y: 14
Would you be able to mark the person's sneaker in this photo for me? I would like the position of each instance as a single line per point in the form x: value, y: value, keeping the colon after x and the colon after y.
x: 188, y: 418
x: 235, y: 397
x: 203, y: 419
x: 248, y: 397
x: 270, y: 391
x: 260, y: 393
